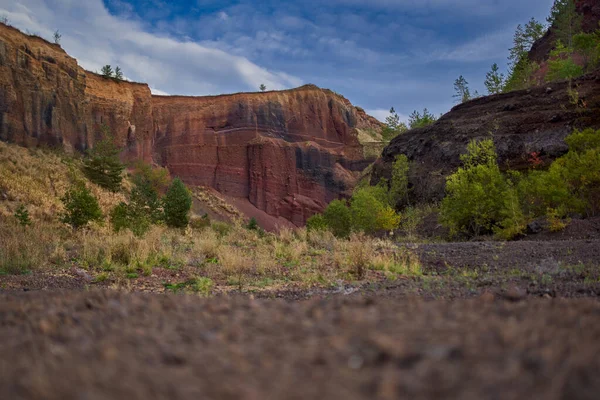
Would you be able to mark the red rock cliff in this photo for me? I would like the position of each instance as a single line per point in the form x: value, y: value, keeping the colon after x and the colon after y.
x: 288, y: 152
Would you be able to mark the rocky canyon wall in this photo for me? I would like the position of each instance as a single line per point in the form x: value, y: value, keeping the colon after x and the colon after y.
x: 287, y: 152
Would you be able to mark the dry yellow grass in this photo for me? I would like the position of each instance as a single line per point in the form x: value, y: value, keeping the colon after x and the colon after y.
x: 230, y: 254
x: 38, y: 178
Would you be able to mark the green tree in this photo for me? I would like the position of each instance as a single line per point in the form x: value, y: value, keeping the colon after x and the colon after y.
x: 561, y: 64
x: 81, y: 207
x: 22, y: 215
x: 177, y: 204
x: 521, y: 75
x: 461, y: 90
x: 57, y: 37
x: 371, y: 212
x: 474, y: 201
x: 107, y: 71
x: 393, y: 127
x: 566, y: 21
x: 338, y: 218
x: 262, y: 87
x: 253, y: 225
x: 521, y: 69
x: 494, y: 80
x: 421, y: 120
x: 118, y: 74
x: 588, y: 45
x: 399, y: 183
x: 102, y: 164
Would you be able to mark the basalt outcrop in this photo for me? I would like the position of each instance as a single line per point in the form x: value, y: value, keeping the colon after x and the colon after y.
x: 590, y: 22
x: 287, y: 152
x: 519, y: 122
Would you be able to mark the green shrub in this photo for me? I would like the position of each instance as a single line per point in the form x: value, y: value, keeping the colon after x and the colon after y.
x: 338, y: 218
x: 177, y: 204
x: 561, y: 65
x: 475, y: 193
x: 399, y: 184
x: 102, y: 164
x: 22, y: 215
x: 253, y: 225
x: 371, y: 212
x: 316, y: 223
x: 81, y: 207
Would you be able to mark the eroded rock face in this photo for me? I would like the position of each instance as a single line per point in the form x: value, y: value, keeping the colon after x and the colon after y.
x: 288, y: 152
x: 589, y: 9
x: 519, y: 122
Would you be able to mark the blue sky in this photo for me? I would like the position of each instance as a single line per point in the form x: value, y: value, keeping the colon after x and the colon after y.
x: 377, y: 53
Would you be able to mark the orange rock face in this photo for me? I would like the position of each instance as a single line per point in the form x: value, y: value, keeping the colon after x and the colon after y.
x: 288, y: 152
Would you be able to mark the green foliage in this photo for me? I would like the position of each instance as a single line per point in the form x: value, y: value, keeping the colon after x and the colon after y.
x: 521, y: 75
x: 523, y: 40
x: 262, y: 87
x: 316, y: 223
x: 158, y: 177
x: 81, y: 207
x: 107, y: 71
x: 370, y: 211
x: 399, y: 183
x: 253, y: 225
x: 393, y: 127
x: 521, y: 68
x: 565, y: 20
x: 118, y: 74
x: 421, y: 120
x: 461, y: 90
x: 473, y: 202
x: 588, y: 45
x: 494, y: 80
x: 480, y: 199
x: 338, y: 218
x: 102, y: 164
x: 22, y: 215
x: 561, y: 64
x: 177, y: 204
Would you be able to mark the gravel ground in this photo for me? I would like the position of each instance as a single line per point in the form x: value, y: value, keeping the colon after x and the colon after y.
x: 113, y: 345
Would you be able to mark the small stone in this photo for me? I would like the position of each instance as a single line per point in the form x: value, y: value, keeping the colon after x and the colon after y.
x: 515, y: 293
x: 548, y: 90
x: 487, y: 297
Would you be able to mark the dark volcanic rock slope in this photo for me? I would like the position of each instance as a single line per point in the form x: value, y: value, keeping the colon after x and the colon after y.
x: 289, y: 153
x: 520, y: 122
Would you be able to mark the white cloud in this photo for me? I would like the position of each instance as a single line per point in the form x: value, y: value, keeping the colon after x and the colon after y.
x: 95, y: 37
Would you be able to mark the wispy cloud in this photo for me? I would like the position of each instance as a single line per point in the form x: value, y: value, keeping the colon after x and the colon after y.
x: 166, y: 63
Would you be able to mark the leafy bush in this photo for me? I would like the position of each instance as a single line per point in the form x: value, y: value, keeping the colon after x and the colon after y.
x: 81, y: 207
x: 338, y: 218
x: 480, y: 199
x: 421, y: 120
x: 253, y: 225
x: 474, y: 194
x: 177, y: 204
x: 370, y: 211
x: 316, y: 223
x: 561, y: 64
x: 102, y: 164
x: 399, y: 183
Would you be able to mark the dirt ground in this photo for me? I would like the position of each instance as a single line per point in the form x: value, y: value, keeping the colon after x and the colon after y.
x: 107, y: 344
x: 486, y: 320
